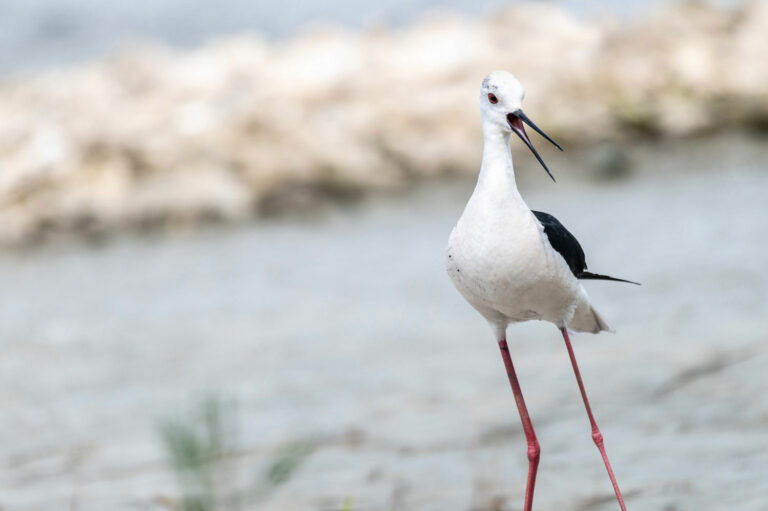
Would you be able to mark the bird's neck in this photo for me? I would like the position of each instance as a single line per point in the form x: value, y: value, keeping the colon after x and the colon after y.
x: 497, y: 172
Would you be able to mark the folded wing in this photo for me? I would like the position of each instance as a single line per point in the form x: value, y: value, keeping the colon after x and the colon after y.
x: 568, y: 247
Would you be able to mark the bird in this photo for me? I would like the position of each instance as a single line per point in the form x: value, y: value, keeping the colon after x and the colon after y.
x: 513, y: 264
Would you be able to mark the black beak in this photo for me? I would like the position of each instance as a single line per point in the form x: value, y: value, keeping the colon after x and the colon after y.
x: 516, y: 120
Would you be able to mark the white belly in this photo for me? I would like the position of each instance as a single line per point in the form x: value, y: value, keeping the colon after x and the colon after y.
x: 505, y: 268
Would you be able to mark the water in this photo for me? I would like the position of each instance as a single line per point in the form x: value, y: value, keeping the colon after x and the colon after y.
x: 346, y: 327
x: 42, y: 33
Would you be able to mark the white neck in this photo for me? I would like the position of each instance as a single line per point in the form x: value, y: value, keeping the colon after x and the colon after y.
x: 497, y: 172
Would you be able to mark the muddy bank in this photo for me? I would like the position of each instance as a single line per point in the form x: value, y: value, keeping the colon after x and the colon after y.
x: 346, y: 330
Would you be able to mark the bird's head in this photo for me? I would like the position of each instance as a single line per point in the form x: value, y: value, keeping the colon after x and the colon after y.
x: 501, y: 107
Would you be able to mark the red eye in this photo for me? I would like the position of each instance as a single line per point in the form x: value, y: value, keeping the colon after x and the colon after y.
x: 492, y: 98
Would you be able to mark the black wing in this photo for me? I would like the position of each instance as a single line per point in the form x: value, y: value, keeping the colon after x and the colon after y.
x: 563, y: 241
x: 568, y: 246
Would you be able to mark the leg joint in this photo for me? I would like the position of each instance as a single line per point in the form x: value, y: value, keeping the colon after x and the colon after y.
x: 534, y: 451
x: 597, y: 436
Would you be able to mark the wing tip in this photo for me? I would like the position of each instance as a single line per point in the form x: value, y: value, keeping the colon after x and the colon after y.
x: 587, y: 275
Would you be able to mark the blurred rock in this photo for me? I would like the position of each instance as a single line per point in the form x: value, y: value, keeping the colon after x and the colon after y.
x: 158, y: 136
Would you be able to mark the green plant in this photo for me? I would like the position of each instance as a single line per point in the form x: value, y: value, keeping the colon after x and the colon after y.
x: 286, y: 461
x: 198, y: 448
x: 202, y: 448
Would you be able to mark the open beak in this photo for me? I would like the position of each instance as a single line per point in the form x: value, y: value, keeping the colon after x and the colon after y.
x: 516, y: 120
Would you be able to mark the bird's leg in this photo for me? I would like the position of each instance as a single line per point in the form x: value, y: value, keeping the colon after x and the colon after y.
x: 530, y: 435
x: 596, y: 435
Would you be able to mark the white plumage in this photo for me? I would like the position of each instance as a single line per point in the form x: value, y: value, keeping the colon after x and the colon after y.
x: 499, y: 257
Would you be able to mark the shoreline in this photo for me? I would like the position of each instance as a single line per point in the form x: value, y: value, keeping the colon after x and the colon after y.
x: 242, y: 127
x: 604, y: 165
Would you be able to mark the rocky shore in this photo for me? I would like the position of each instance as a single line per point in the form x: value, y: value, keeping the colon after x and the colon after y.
x: 244, y: 126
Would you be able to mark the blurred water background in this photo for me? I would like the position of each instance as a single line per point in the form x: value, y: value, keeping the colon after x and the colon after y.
x: 223, y: 227
x: 40, y: 33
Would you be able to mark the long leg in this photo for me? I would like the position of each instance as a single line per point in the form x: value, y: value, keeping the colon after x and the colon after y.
x: 530, y: 435
x: 596, y: 435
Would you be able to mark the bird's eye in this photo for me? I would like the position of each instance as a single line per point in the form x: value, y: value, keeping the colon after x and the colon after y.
x: 492, y: 98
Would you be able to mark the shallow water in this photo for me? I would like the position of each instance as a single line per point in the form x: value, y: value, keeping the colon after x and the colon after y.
x: 347, y: 327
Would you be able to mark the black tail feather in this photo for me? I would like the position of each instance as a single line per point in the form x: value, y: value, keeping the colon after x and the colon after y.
x: 587, y: 275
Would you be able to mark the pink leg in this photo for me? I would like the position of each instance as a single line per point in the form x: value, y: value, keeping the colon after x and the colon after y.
x: 530, y: 435
x: 596, y: 435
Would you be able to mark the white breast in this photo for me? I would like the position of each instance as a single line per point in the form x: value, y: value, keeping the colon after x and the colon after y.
x: 501, y: 261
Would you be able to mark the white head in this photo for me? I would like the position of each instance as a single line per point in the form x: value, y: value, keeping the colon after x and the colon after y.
x: 501, y: 108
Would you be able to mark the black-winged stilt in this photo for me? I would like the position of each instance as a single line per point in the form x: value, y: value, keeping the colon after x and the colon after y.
x: 513, y: 264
